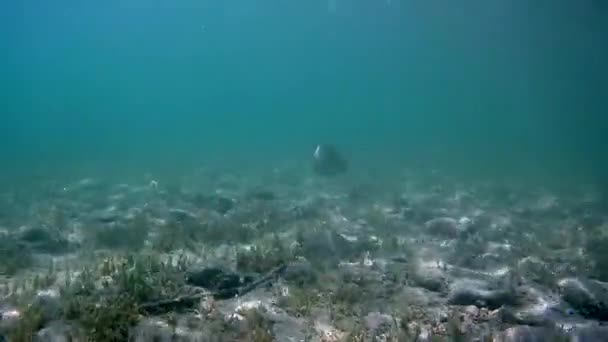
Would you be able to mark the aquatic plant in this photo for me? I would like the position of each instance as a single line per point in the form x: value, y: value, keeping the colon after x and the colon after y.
x: 111, y: 319
x: 103, y: 300
x: 299, y: 301
x: 59, y: 219
x: 348, y: 295
x: 263, y: 257
x: 259, y: 328
x: 15, y: 256
x: 376, y: 218
x: 356, y: 335
x: 218, y: 232
x: 454, y: 329
x: 190, y: 233
x: 107, y: 315
x: 598, y: 253
x: 467, y: 250
x: 129, y: 236
x: 404, y: 332
x: 27, y: 326
x: 143, y: 276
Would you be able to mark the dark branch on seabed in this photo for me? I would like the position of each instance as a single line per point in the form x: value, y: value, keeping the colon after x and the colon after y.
x: 188, y: 301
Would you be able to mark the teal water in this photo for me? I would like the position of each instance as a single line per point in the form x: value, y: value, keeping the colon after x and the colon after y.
x: 478, y: 87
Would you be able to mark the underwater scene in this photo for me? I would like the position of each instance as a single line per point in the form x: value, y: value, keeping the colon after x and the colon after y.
x: 290, y: 170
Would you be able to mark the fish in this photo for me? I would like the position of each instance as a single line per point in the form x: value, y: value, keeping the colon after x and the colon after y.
x: 328, y: 162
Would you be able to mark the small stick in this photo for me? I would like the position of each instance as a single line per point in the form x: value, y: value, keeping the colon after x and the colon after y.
x: 190, y: 300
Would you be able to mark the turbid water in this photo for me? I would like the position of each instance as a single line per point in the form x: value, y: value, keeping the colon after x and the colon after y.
x: 515, y: 85
x: 157, y: 150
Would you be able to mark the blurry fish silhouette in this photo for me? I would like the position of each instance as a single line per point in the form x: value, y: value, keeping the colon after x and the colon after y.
x: 328, y: 162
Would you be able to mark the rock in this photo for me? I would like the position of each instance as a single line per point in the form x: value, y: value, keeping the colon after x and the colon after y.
x: 471, y: 311
x: 290, y: 329
x: 86, y: 184
x: 59, y: 331
x: 155, y: 329
x: 592, y: 220
x: 217, y: 203
x: 307, y: 208
x: 400, y: 259
x: 49, y: 304
x: 151, y: 329
x: 213, y: 278
x: 420, y: 208
x: 284, y: 327
x: 363, y: 192
x: 469, y: 321
x: 419, y: 297
x: 480, y: 223
x: 429, y: 275
x: 537, y: 309
x: 299, y: 212
x: 33, y: 234
x: 479, y: 293
x: 108, y: 215
x: 530, y: 334
x: 590, y: 334
x: 181, y: 215
x: 223, y: 282
x: 501, y: 193
x: 534, y: 269
x: 300, y: 273
x: 223, y: 205
x: 46, y: 303
x: 377, y: 324
x: 546, y: 202
x: 326, y: 246
x: 417, y: 215
x: 443, y: 226
x: 76, y: 237
x: 9, y: 317
x: 261, y: 195
x: 464, y: 200
x: 465, y: 222
x: 589, y: 298
x: 43, y: 240
x: 546, y: 206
